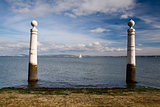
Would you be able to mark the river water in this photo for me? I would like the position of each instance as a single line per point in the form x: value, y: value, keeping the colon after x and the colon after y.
x: 74, y: 72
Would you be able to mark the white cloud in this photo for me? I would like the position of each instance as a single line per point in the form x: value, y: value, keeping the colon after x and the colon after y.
x: 124, y: 16
x: 14, y: 47
x: 99, y: 30
x: 19, y: 6
x: 127, y: 14
x: 70, y: 15
x: 75, y: 7
x: 35, y: 8
x: 148, y: 36
x: 85, y: 7
x: 151, y: 20
x: 67, y: 37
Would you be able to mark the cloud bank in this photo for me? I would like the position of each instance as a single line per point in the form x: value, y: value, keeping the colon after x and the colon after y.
x: 50, y: 48
x: 71, y: 8
x: 22, y: 47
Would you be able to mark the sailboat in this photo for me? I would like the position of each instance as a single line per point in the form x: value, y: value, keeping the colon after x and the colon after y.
x: 80, y: 56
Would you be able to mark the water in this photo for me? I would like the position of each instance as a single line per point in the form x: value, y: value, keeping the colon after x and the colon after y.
x: 72, y: 72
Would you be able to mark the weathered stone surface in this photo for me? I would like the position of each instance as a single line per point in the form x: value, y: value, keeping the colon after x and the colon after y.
x: 32, y: 73
x: 131, y: 73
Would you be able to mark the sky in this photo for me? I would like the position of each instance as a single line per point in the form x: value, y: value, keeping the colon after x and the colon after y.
x: 87, y: 27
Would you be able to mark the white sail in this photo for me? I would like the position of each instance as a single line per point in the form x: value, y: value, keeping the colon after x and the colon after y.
x: 80, y: 56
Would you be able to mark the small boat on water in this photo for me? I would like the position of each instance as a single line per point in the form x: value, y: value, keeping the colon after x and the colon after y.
x: 80, y: 56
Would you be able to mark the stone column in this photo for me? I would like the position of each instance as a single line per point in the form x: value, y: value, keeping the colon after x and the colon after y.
x: 131, y: 64
x: 32, y: 72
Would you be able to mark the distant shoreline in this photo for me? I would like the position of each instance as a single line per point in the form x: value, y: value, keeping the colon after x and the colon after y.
x: 77, y: 56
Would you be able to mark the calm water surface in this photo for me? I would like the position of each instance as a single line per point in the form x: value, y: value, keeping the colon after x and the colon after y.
x: 87, y: 72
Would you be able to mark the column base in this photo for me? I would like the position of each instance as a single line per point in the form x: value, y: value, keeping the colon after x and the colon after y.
x: 32, y: 73
x: 131, y: 74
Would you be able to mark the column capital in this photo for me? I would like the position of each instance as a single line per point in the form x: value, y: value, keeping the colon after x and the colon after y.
x: 34, y: 23
x: 131, y: 23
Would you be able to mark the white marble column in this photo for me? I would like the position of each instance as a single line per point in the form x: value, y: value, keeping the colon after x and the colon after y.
x: 131, y: 63
x: 32, y: 72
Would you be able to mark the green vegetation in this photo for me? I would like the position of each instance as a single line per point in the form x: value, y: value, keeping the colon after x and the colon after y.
x: 65, y: 91
x: 32, y: 67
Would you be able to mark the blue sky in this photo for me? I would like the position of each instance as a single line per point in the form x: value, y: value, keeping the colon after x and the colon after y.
x: 89, y: 27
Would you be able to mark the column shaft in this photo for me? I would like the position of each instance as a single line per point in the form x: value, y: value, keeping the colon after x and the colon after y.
x: 131, y: 61
x: 32, y: 71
